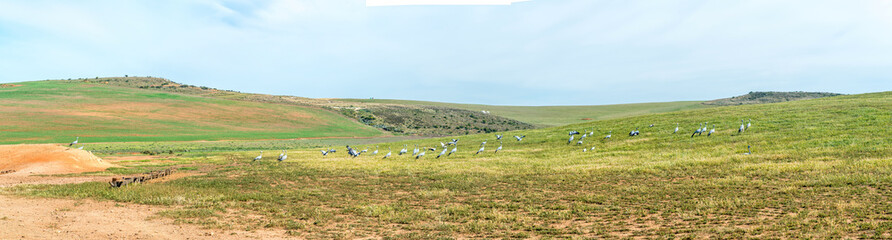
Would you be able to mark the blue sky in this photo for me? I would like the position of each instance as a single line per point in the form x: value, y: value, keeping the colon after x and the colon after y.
x: 538, y: 52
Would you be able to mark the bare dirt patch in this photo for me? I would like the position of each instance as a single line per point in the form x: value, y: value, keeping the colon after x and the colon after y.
x: 36, y: 218
x: 48, y: 159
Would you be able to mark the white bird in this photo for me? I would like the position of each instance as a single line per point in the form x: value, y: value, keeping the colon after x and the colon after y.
x: 584, y: 149
x: 404, y: 151
x: 699, y: 130
x: 259, y: 156
x: 593, y: 148
x: 75, y: 141
x: 442, y: 153
x: 748, y: 124
x: 711, y: 131
x: 453, y: 150
x: 500, y: 147
x: 81, y: 148
x: 571, y: 139
x: 442, y: 144
x: 748, y: 150
x: 420, y: 155
x: 498, y: 137
x: 376, y: 151
x: 415, y: 152
x: 608, y: 135
x: 741, y: 129
x: 283, y: 156
x: 388, y: 153
x: 520, y: 138
x: 324, y: 153
x: 482, y: 147
x: 676, y: 128
x: 579, y: 142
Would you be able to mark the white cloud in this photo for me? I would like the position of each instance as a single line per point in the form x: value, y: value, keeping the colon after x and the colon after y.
x: 377, y: 3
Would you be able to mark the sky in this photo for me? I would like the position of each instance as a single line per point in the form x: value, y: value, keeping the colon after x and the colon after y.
x: 505, y: 52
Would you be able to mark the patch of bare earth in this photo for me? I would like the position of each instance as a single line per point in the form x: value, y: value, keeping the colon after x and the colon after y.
x: 37, y: 218
x: 48, y: 159
x: 43, y: 218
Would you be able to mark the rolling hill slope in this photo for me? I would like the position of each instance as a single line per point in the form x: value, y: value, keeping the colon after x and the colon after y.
x: 554, y: 115
x: 57, y: 111
x: 819, y: 168
x: 396, y: 118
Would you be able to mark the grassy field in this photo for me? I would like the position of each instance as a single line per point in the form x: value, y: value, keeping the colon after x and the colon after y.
x: 397, y: 119
x: 58, y: 111
x: 556, y: 115
x: 819, y: 169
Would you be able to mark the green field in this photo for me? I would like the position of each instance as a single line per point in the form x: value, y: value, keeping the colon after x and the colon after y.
x: 59, y: 111
x: 556, y: 115
x: 820, y: 169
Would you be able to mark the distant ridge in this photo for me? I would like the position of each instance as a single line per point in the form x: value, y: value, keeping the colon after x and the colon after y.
x: 768, y: 97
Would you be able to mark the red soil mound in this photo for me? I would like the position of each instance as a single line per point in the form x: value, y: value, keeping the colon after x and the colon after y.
x: 48, y: 159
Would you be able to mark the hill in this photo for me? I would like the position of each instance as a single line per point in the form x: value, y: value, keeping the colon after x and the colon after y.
x: 768, y: 97
x: 819, y: 168
x: 396, y: 118
x: 58, y: 111
x: 552, y: 115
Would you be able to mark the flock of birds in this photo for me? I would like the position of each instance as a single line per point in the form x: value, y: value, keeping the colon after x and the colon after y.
x: 704, y: 128
x: 418, y: 153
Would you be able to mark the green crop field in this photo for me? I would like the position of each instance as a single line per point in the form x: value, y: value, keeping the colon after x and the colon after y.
x: 556, y: 115
x: 59, y: 111
x: 819, y: 168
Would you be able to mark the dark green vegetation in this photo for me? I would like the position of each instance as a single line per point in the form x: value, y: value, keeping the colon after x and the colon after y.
x: 820, y: 168
x: 431, y: 120
x: 768, y: 97
x: 551, y: 115
x: 57, y: 111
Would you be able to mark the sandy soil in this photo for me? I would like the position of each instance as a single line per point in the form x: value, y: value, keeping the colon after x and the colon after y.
x: 42, y: 218
x: 48, y: 159
x: 38, y: 218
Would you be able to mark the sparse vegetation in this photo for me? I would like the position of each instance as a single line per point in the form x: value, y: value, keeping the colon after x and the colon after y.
x: 820, y: 168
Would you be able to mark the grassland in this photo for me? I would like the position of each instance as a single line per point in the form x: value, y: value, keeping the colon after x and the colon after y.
x: 58, y: 111
x: 395, y: 118
x: 555, y: 115
x: 820, y: 169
